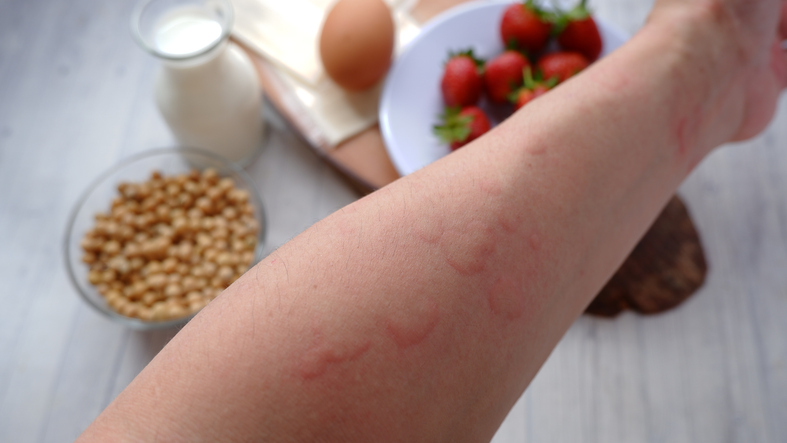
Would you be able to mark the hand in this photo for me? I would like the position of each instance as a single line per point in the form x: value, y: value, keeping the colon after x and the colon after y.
x: 744, y: 37
x: 763, y: 28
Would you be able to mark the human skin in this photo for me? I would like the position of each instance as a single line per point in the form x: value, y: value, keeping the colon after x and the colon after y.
x: 421, y: 312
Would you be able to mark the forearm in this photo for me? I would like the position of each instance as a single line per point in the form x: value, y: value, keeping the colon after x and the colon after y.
x: 422, y: 311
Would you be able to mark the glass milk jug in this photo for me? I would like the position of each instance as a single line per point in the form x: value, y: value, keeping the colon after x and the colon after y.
x: 207, y: 88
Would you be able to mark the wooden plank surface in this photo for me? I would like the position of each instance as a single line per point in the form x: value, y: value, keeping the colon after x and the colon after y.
x: 75, y: 98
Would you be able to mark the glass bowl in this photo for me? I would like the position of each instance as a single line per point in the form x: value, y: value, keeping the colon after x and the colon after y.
x: 138, y: 168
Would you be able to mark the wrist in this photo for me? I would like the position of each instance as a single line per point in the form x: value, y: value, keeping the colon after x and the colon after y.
x: 704, y: 32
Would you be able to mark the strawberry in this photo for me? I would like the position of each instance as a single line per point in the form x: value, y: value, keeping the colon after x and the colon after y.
x: 460, y: 126
x: 532, y: 88
x: 503, y: 74
x: 461, y: 83
x: 525, y: 96
x: 577, y: 31
x: 525, y: 26
x: 561, y: 65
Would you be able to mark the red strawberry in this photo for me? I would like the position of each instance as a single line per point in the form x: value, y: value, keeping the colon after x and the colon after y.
x: 577, y: 31
x: 525, y: 26
x: 462, y: 83
x: 561, y: 65
x: 531, y: 89
x: 460, y: 126
x: 525, y: 96
x: 504, y: 74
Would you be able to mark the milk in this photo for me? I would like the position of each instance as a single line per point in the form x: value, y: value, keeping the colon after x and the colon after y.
x: 207, y: 89
x: 186, y: 32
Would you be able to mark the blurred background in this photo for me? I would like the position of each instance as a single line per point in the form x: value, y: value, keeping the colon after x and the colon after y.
x: 76, y: 98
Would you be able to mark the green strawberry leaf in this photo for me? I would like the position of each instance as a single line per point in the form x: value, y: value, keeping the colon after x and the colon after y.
x: 561, y: 18
x: 527, y: 76
x: 559, y: 24
x: 454, y: 127
x: 546, y: 15
x: 514, y: 96
x: 531, y: 82
x: 535, y: 8
x: 579, y: 12
x: 479, y: 62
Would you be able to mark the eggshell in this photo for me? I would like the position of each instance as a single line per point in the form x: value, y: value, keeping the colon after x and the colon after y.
x: 356, y: 43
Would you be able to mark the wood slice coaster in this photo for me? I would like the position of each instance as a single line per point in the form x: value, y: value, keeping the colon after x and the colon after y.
x: 665, y: 268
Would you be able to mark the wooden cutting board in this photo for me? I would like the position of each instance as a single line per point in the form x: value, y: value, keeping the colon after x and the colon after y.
x: 665, y: 268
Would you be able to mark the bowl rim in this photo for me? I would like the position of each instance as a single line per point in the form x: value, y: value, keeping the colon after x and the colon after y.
x: 101, y: 178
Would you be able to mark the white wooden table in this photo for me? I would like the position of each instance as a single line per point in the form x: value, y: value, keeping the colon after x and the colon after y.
x: 75, y: 98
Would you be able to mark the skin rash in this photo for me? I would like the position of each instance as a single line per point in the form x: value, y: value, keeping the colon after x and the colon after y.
x: 474, y: 251
x: 324, y: 355
x: 507, y: 298
x: 412, y: 328
x: 482, y: 240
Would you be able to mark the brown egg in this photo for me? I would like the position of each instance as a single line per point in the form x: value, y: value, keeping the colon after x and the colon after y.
x: 356, y: 43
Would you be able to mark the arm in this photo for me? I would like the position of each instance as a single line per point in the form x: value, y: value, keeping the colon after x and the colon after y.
x: 421, y: 312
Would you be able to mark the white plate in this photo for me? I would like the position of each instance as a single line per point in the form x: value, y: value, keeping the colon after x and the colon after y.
x: 411, y: 99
